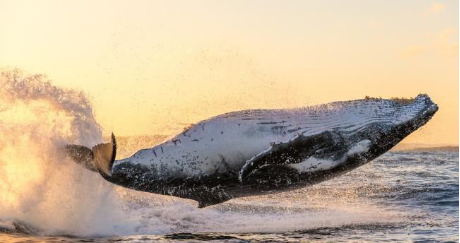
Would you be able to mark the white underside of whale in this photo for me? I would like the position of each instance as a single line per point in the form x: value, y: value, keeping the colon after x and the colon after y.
x: 228, y: 141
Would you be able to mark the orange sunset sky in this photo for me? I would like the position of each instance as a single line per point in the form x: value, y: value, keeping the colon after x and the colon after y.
x: 153, y: 67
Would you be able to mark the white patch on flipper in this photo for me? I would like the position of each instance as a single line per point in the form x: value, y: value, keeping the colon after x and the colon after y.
x: 360, y: 147
x: 314, y: 164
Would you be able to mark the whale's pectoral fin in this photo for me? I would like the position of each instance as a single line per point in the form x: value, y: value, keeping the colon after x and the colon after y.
x: 291, y: 152
x: 104, y: 156
x: 99, y: 159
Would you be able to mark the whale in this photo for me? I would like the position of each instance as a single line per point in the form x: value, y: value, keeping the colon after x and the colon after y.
x: 261, y: 151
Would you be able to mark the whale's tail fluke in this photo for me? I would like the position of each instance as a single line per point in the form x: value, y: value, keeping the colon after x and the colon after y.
x: 99, y: 159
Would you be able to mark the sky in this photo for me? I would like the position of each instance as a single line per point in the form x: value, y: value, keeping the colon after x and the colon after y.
x: 154, y: 67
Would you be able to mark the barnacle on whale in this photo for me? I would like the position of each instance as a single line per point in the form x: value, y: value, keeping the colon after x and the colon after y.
x: 399, y: 100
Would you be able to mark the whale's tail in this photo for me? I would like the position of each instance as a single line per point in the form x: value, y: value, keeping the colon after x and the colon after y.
x: 98, y: 159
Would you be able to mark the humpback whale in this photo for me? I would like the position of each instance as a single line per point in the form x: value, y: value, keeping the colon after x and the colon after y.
x: 261, y: 151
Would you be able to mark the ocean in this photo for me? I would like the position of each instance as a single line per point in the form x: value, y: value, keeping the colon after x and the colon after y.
x: 399, y: 197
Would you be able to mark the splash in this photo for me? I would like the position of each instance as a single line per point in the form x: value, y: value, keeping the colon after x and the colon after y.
x: 37, y: 186
x: 48, y: 192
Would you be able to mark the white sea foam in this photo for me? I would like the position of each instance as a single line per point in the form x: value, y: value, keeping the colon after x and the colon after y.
x: 36, y: 185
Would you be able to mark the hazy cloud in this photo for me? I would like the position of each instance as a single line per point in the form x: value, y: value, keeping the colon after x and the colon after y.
x: 434, y: 9
x: 372, y: 24
x: 412, y: 51
x: 442, y: 43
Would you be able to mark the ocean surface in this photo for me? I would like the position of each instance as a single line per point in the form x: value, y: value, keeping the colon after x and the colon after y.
x: 399, y: 197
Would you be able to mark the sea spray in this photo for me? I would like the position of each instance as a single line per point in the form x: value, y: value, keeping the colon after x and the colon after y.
x: 37, y: 185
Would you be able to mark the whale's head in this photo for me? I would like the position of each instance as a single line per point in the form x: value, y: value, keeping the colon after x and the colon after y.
x: 379, y: 124
x: 388, y: 121
x: 345, y: 136
x: 416, y: 113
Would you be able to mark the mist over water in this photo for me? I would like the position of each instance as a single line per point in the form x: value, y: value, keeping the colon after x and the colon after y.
x: 50, y: 195
x: 37, y: 185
